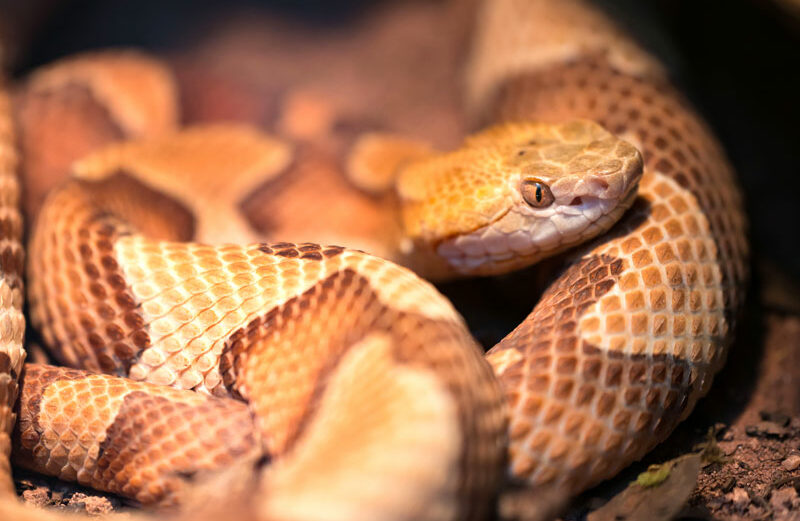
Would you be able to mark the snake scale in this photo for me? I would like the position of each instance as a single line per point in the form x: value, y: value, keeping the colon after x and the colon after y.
x: 357, y: 391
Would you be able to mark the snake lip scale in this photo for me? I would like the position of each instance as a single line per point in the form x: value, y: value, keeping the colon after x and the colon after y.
x: 208, y: 370
x: 509, y: 260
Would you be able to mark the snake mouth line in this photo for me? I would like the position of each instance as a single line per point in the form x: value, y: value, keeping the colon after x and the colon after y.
x: 489, y: 262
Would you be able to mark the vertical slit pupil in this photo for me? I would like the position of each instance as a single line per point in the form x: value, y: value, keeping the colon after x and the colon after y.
x: 538, y: 193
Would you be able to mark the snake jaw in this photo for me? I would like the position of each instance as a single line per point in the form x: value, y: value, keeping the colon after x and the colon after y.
x: 517, y: 240
x: 473, y: 208
x: 521, y: 235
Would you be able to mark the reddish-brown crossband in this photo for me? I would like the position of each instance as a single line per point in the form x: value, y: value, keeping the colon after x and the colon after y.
x: 359, y: 377
x: 341, y: 385
x: 629, y: 337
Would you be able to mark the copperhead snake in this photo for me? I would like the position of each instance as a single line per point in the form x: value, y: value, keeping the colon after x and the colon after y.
x: 366, y: 396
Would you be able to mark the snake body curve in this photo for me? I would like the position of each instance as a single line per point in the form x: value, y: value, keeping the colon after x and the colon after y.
x: 660, y: 330
x: 613, y: 356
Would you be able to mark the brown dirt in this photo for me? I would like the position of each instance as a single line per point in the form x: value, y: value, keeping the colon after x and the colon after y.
x: 42, y: 491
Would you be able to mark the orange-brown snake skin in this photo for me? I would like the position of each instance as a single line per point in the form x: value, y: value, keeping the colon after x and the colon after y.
x: 340, y: 384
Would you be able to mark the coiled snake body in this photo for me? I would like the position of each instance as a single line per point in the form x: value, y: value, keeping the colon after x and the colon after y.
x: 364, y: 390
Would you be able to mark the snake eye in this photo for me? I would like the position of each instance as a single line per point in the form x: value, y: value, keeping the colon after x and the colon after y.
x: 536, y: 193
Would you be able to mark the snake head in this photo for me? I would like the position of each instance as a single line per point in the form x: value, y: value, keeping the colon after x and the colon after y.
x: 516, y: 193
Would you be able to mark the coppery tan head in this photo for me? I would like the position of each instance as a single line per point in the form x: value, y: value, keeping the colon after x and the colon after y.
x: 518, y: 192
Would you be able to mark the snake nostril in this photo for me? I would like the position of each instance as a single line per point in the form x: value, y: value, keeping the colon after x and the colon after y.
x: 576, y: 201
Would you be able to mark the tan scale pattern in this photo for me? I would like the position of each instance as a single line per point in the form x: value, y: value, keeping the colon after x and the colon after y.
x: 79, y: 299
x: 138, y: 91
x: 194, y: 296
x: 82, y: 103
x: 70, y: 119
x: 630, y: 336
x: 673, y: 139
x: 670, y: 299
x: 176, y: 305
x: 12, y: 322
x: 279, y: 209
x: 642, y: 107
x: 97, y: 430
x: 423, y: 464
x: 619, y: 349
x: 283, y: 269
x: 212, y: 169
x: 288, y: 390
x: 579, y: 412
